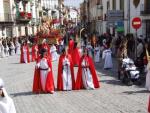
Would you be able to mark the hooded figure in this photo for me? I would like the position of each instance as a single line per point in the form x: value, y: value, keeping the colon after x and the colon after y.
x: 43, y: 74
x: 6, y: 103
x: 65, y: 78
x: 25, y: 55
x: 46, y: 46
x: 86, y: 76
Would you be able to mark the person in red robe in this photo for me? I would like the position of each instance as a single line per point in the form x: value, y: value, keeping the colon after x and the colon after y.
x: 76, y: 55
x: 70, y: 46
x: 46, y: 46
x: 43, y: 77
x: 34, y: 52
x: 86, y: 76
x: 65, y: 78
x: 25, y: 57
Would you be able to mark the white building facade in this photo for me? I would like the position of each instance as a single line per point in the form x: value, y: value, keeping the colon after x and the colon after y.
x: 6, y: 18
x: 115, y: 16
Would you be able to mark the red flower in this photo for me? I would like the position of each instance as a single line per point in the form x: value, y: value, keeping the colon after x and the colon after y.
x: 22, y: 14
x: 29, y: 15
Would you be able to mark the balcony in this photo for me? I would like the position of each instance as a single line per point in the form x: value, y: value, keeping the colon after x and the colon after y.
x: 145, y: 12
x: 23, y: 17
x: 6, y: 18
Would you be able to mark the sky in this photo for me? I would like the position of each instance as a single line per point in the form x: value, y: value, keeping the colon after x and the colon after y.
x: 75, y: 3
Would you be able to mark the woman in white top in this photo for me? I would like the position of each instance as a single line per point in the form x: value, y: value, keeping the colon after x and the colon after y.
x: 6, y: 103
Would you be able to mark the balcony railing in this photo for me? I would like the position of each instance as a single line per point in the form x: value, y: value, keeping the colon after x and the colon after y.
x: 22, y: 0
x: 6, y: 17
x: 35, y: 21
x: 24, y: 16
x: 145, y: 12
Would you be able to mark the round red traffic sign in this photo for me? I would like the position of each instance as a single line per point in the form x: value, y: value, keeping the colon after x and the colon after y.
x: 136, y: 23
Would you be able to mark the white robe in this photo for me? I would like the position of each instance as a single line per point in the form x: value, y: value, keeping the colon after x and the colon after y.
x: 67, y: 78
x: 6, y: 104
x: 43, y: 64
x: 86, y: 76
x: 53, y: 52
x: 2, y: 54
x: 18, y: 48
x: 108, y: 59
x: 89, y: 47
x: 147, y: 85
x: 12, y: 47
x: 97, y: 54
x: 6, y: 50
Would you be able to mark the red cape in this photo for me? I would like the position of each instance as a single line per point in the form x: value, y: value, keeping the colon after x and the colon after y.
x: 79, y: 82
x: 22, y: 55
x: 76, y: 56
x: 70, y: 47
x: 49, y: 87
x: 34, y: 57
x: 60, y: 69
x: 71, y: 44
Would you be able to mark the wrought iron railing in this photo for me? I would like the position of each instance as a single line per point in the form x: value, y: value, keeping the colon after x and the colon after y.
x: 6, y: 17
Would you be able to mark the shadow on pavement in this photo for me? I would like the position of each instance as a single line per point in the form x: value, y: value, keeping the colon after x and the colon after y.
x: 112, y: 82
x: 16, y: 63
x: 22, y: 94
x: 134, y: 92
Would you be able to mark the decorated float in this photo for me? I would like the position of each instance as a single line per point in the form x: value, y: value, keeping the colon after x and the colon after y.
x: 48, y: 32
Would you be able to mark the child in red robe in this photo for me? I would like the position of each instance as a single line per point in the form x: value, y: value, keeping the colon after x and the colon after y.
x: 86, y: 76
x: 34, y: 52
x: 65, y: 80
x: 25, y: 57
x: 46, y: 46
x: 43, y: 76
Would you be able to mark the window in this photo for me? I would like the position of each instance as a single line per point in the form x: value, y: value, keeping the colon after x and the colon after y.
x: 108, y: 5
x: 114, y: 4
x: 121, y: 4
x: 147, y: 5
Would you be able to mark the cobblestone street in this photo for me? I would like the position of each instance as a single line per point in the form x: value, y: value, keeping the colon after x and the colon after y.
x: 111, y: 97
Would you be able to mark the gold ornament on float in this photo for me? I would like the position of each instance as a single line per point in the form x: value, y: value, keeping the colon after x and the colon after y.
x: 136, y: 3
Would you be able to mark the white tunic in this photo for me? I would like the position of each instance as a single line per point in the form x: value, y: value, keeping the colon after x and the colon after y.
x: 18, y: 48
x: 6, y: 104
x: 12, y: 47
x: 108, y: 58
x: 97, y: 54
x: 147, y: 85
x: 86, y: 76
x: 43, y: 64
x: 6, y: 50
x: 67, y: 78
x: 2, y: 54
x: 53, y: 52
x: 89, y: 47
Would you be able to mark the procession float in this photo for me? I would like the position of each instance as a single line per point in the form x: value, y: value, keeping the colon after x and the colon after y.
x: 48, y: 32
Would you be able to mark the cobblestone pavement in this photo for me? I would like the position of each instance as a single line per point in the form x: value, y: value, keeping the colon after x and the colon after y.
x: 112, y: 97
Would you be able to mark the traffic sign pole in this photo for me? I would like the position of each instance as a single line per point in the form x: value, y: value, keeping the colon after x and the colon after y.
x: 136, y: 24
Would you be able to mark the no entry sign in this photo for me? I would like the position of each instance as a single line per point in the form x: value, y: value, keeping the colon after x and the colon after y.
x: 136, y: 23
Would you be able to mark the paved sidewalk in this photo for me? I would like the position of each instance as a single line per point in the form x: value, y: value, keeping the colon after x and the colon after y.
x: 112, y: 97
